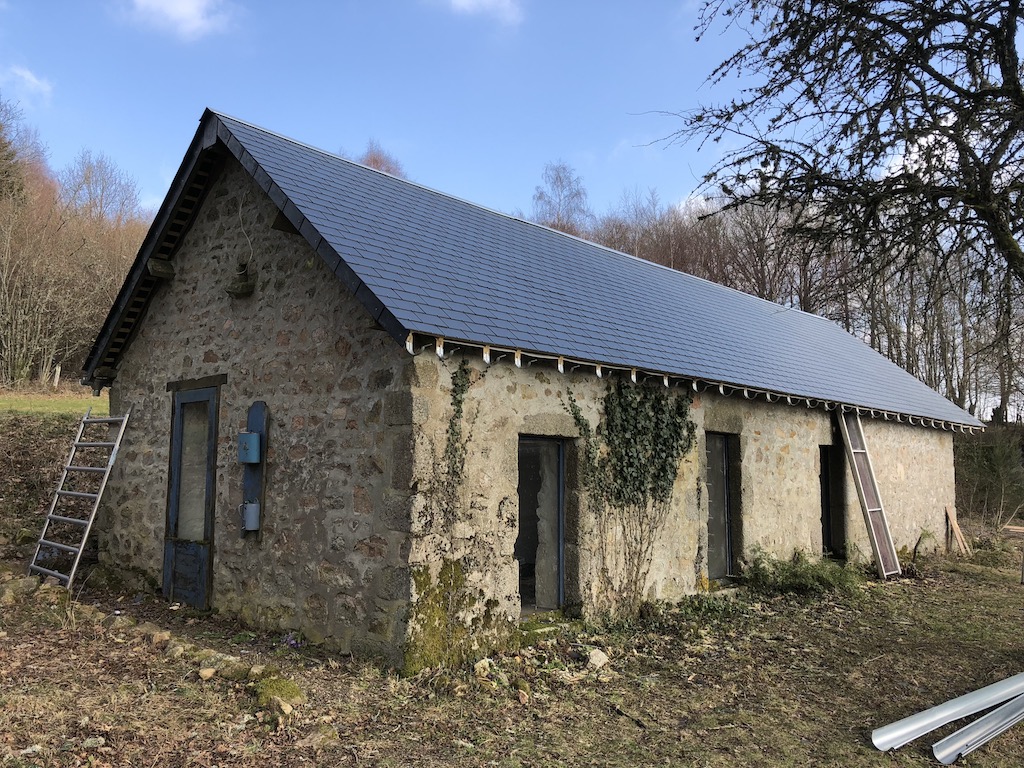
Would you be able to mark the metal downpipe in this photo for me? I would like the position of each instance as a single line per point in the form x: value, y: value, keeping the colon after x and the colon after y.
x: 909, y: 728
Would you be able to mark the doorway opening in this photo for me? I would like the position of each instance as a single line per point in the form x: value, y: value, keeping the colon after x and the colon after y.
x: 723, y: 484
x: 833, y: 494
x: 188, y: 542
x: 540, y: 543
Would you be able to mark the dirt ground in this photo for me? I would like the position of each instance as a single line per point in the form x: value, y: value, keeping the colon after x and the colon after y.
x: 714, y: 682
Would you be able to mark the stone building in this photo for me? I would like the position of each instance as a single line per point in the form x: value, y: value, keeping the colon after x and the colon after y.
x: 372, y: 412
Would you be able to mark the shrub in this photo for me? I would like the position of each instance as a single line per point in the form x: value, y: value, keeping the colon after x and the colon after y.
x: 800, y: 575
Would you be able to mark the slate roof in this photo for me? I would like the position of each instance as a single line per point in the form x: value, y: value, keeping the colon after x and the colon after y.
x: 425, y: 262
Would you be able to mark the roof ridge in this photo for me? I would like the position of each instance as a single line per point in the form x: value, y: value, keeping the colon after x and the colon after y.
x: 647, y: 264
x: 426, y: 262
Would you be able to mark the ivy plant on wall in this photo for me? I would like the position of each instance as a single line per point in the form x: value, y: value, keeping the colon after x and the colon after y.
x: 629, y: 465
x: 446, y: 623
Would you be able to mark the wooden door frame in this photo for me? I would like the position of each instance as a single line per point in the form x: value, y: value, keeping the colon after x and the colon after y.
x: 732, y: 488
x: 173, y: 548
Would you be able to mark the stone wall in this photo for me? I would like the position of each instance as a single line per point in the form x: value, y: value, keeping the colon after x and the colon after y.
x: 353, y: 535
x: 331, y: 557
x: 504, y: 403
x: 780, y: 476
x: 780, y: 504
x: 914, y: 467
x: 780, y: 469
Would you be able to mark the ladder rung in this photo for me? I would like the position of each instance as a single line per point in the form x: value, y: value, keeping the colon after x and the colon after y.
x: 62, y: 519
x: 80, y: 441
x: 47, y: 572
x: 78, y: 494
x: 58, y: 545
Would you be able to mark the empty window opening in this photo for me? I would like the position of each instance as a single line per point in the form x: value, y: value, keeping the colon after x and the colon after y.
x: 723, y: 475
x: 540, y: 547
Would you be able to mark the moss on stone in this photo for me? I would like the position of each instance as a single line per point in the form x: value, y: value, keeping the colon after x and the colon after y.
x: 441, y: 631
x: 236, y: 671
x: 437, y: 634
x: 543, y: 626
x: 281, y: 687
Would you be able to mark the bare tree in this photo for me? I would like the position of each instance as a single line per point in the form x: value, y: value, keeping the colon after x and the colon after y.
x: 375, y: 156
x: 65, y: 246
x: 561, y: 203
x: 93, y: 187
x: 876, y: 118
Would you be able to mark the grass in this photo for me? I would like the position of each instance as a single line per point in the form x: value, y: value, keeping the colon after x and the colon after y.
x: 65, y: 401
x: 749, y: 681
x: 801, y: 575
x: 778, y: 677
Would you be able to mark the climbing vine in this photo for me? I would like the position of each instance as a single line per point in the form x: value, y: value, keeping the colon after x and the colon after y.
x: 455, y: 442
x: 629, y: 466
x: 440, y: 634
x: 450, y: 472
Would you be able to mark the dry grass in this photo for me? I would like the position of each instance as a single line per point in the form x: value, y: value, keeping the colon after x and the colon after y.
x: 33, y: 449
x: 70, y: 400
x: 757, y: 681
x: 777, y: 682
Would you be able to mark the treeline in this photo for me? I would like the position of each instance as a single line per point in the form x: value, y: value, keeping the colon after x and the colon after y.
x: 67, y: 239
x: 949, y: 314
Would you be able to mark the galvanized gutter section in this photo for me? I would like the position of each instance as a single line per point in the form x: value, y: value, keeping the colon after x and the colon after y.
x: 909, y: 728
x: 970, y: 737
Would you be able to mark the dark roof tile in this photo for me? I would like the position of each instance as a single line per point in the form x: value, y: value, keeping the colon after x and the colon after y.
x: 444, y: 266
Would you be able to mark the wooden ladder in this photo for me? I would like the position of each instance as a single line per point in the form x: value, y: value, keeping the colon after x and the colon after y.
x: 867, y: 490
x: 77, y: 498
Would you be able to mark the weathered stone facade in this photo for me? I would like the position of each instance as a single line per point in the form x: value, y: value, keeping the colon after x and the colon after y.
x: 332, y: 555
x: 780, y: 505
x: 353, y: 535
x: 780, y: 469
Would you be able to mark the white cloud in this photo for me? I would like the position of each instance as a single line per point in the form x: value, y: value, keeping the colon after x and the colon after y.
x: 507, y: 11
x: 28, y: 81
x: 25, y: 86
x: 187, y: 19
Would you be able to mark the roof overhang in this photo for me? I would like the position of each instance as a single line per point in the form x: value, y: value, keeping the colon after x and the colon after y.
x: 418, y: 343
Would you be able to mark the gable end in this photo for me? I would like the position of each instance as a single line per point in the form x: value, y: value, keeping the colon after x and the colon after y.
x: 205, y: 159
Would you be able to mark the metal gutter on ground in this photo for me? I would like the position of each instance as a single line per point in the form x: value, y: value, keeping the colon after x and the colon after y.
x: 909, y: 728
x: 982, y: 730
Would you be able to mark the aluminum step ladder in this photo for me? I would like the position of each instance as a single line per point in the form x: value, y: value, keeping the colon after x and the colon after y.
x: 886, y: 559
x: 74, y: 505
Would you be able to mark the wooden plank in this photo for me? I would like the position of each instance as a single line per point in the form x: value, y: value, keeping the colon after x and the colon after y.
x: 958, y: 536
x: 877, y: 524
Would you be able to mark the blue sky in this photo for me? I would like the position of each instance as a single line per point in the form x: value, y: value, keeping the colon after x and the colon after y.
x: 472, y: 96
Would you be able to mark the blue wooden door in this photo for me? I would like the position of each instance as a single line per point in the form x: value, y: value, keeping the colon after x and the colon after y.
x: 188, y: 543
